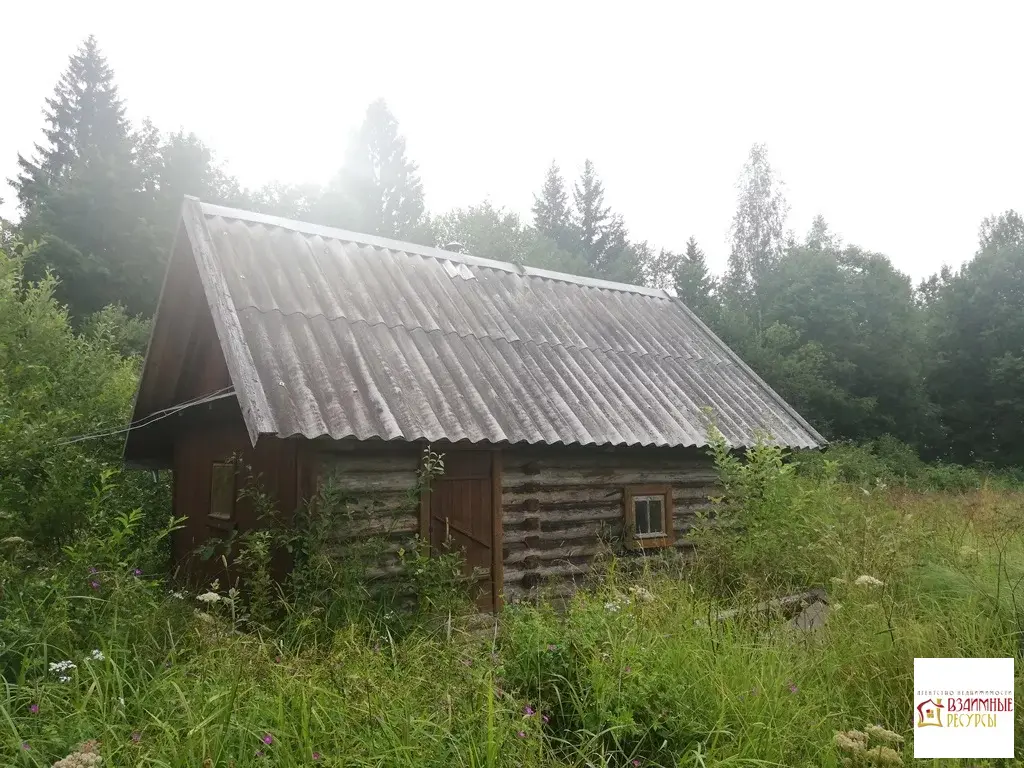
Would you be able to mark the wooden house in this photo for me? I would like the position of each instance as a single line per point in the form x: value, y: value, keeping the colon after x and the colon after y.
x: 565, y: 407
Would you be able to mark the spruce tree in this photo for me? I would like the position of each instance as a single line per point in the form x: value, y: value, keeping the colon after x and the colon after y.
x: 600, y: 236
x: 377, y: 190
x: 591, y: 217
x: 551, y: 206
x: 694, y: 282
x: 83, y: 198
x: 85, y: 122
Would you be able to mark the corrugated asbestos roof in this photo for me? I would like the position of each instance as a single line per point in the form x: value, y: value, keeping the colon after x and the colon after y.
x: 332, y: 333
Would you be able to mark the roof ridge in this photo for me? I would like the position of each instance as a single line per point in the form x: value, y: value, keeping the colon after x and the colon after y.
x: 335, y: 233
x: 553, y: 344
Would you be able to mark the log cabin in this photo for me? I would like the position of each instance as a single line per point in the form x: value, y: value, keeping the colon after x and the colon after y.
x: 570, y: 412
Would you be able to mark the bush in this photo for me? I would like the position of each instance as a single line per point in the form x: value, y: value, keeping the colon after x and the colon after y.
x: 767, y: 532
x: 57, y: 387
x: 890, y: 462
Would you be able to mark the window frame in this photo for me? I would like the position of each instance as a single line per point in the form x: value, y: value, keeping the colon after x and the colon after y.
x: 214, y: 513
x: 648, y: 540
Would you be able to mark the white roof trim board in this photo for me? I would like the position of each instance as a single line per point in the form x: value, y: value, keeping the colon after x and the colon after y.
x: 329, y: 333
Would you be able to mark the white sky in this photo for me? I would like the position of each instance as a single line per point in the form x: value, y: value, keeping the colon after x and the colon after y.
x: 899, y: 121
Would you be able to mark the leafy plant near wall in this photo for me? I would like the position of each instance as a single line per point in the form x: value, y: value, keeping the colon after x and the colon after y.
x: 330, y: 583
x: 766, y: 522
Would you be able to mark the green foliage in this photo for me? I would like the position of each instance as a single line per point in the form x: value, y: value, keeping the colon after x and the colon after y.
x: 890, y: 462
x: 114, y: 328
x: 496, y: 233
x: 766, y: 530
x: 599, y: 235
x: 977, y: 330
x: 859, y: 312
x: 695, y: 284
x: 58, y: 385
x: 651, y: 669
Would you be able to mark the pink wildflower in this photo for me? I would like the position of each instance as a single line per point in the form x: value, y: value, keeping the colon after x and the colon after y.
x: 25, y: 746
x: 33, y: 708
x: 316, y: 755
x: 94, y: 584
x: 521, y: 734
x: 528, y: 711
x: 636, y: 763
x: 792, y: 686
x: 268, y: 739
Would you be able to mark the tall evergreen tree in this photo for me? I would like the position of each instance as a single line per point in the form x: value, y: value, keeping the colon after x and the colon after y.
x: 82, y: 196
x: 592, y: 219
x: 694, y: 283
x: 551, y: 215
x: 85, y: 122
x: 758, y: 233
x: 600, y: 236
x: 377, y: 190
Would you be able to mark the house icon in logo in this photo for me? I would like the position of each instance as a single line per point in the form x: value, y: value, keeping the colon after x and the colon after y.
x: 929, y: 712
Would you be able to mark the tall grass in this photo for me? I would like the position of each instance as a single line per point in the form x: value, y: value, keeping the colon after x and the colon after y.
x: 637, y: 670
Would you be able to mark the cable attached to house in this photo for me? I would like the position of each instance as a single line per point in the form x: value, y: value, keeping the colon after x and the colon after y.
x: 154, y: 417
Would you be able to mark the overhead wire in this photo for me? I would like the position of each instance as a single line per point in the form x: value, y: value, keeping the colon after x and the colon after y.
x: 153, y: 417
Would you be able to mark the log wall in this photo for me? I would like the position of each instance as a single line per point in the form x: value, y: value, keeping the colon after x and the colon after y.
x: 563, y: 506
x: 375, y: 482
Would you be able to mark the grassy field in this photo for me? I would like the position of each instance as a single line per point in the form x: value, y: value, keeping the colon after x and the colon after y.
x: 637, y: 671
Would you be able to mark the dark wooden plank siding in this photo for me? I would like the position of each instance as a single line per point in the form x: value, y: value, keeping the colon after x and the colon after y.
x: 563, y: 506
x: 273, y: 461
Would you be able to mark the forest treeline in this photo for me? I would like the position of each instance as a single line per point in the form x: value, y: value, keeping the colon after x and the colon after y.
x: 836, y: 329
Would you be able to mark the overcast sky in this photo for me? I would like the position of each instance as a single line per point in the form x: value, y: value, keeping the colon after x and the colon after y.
x: 899, y: 121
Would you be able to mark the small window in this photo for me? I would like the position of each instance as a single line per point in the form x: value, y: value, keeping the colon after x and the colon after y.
x: 648, y: 516
x: 222, y: 491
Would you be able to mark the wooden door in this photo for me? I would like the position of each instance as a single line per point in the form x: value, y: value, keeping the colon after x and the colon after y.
x: 465, y: 516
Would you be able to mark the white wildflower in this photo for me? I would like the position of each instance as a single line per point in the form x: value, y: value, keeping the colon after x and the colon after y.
x: 87, y: 756
x: 868, y: 581
x: 208, y: 597
x: 178, y: 595
x: 642, y: 594
x: 884, y: 756
x: 97, y: 655
x: 611, y: 607
x: 204, y: 617
x: 884, y: 735
x: 851, y: 741
x: 62, y: 669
